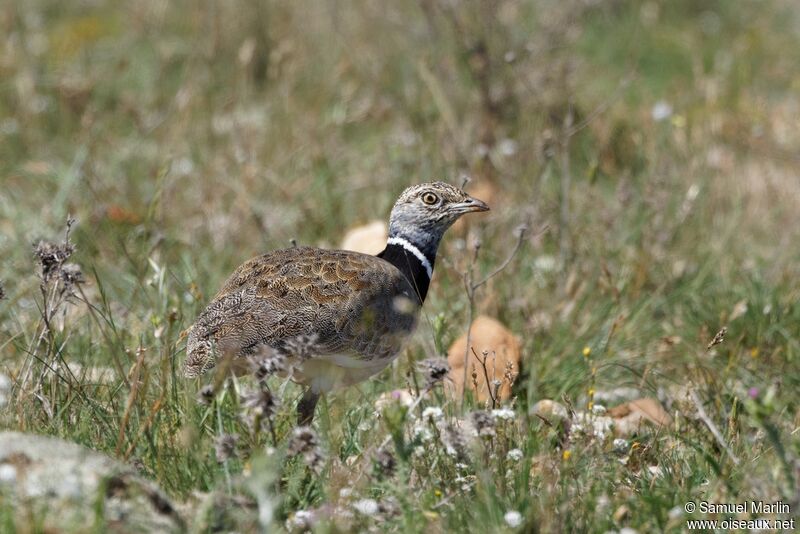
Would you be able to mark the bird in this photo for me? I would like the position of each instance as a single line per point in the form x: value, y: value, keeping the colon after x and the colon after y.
x: 334, y: 317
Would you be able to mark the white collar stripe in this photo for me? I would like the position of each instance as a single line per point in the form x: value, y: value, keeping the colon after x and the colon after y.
x: 413, y: 250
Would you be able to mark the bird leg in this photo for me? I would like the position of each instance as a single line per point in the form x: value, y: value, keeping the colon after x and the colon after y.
x: 306, y: 406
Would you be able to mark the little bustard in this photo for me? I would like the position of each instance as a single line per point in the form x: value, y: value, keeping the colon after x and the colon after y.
x: 337, y: 317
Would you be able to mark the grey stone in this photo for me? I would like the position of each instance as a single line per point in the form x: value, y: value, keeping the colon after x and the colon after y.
x: 58, y: 486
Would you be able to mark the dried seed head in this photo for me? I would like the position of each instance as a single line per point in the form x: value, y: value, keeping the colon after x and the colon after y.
x: 509, y: 375
x: 261, y: 402
x: 206, y: 395
x: 454, y: 441
x: 388, y: 507
x: 71, y: 275
x: 2, y: 291
x: 385, y: 462
x: 268, y: 363
x: 435, y: 370
x: 304, y: 442
x: 51, y: 257
x: 474, y: 375
x: 303, y: 439
x: 483, y: 423
x: 719, y: 338
x: 225, y: 447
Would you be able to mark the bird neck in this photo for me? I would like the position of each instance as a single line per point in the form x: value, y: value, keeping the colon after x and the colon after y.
x: 415, y: 262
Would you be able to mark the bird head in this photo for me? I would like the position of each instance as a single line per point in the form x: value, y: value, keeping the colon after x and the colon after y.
x: 424, y: 212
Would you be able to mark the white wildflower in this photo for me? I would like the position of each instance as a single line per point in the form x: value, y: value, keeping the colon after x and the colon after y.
x: 515, y: 455
x: 300, y: 521
x: 8, y: 473
x: 366, y: 506
x: 421, y: 432
x: 432, y: 412
x: 545, y: 264
x: 183, y: 166
x: 507, y: 147
x: 620, y: 445
x: 598, y: 409
x: 661, y: 111
x: 506, y: 414
x: 598, y: 426
x: 675, y: 512
x: 513, y: 518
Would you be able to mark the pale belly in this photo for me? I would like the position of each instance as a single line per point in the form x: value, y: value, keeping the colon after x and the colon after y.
x: 336, y: 371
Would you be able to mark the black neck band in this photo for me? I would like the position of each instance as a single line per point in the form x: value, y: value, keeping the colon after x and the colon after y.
x: 411, y: 266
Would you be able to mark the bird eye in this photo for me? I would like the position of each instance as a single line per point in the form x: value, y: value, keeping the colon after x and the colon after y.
x: 430, y: 199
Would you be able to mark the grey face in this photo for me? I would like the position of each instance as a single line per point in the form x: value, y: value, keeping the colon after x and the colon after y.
x: 424, y: 212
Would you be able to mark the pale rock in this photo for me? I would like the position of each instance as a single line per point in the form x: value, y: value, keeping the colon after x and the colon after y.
x: 503, y: 349
x: 367, y: 239
x: 61, y: 483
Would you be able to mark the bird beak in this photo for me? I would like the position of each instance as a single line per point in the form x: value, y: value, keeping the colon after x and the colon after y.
x: 470, y: 205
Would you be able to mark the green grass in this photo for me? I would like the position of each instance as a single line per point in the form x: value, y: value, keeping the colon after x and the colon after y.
x: 185, y: 139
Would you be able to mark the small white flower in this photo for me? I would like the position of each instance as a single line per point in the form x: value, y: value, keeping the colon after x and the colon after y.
x: 505, y: 414
x: 598, y: 409
x: 366, y: 506
x: 661, y: 111
x: 9, y: 127
x: 345, y: 493
x: 301, y: 520
x: 422, y: 432
x: 513, y: 518
x: 8, y: 473
x: 515, y: 455
x: 364, y: 426
x: 183, y: 166
x: 676, y: 512
x: 620, y: 445
x: 545, y: 264
x: 481, y: 151
x: 432, y: 412
x: 598, y: 426
x: 507, y: 147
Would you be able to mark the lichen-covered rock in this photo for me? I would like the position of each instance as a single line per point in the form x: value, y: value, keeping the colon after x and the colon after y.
x: 69, y: 488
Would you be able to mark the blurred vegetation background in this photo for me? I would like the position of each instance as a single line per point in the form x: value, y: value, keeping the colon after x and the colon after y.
x: 651, y: 148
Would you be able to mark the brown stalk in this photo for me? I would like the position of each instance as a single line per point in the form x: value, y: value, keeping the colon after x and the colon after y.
x: 136, y: 384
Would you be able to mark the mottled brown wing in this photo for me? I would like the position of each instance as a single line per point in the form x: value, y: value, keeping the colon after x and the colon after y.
x: 306, y: 302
